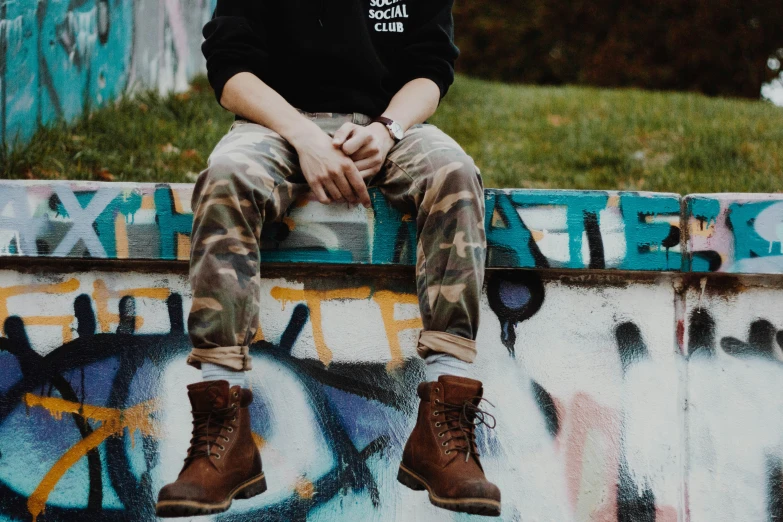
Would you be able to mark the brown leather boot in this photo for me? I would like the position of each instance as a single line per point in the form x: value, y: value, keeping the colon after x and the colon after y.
x: 223, y: 462
x: 441, y: 456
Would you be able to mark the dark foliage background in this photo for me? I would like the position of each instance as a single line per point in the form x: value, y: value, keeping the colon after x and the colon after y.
x: 718, y: 47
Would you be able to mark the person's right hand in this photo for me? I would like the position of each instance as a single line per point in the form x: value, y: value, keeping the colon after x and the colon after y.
x: 331, y: 174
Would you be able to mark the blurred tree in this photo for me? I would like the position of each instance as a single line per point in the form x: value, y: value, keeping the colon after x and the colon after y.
x: 720, y: 47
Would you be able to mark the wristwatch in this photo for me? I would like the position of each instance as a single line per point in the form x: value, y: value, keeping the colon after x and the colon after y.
x: 394, y: 128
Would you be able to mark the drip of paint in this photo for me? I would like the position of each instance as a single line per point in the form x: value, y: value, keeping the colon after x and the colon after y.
x: 703, y: 284
x: 508, y: 335
x: 12, y: 31
x: 82, y: 27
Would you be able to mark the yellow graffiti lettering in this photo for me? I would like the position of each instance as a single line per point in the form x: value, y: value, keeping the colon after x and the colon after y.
x: 71, y: 285
x: 259, y: 336
x: 387, y: 300
x: 304, y: 488
x: 313, y: 298
x: 63, y: 321
x: 121, y: 233
x: 113, y: 422
x: 183, y: 246
x: 102, y: 293
x: 258, y: 440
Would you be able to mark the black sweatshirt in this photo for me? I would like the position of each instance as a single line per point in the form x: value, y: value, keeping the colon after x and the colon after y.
x: 332, y: 55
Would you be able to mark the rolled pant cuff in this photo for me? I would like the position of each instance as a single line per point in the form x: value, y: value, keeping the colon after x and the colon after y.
x: 441, y: 342
x: 234, y: 357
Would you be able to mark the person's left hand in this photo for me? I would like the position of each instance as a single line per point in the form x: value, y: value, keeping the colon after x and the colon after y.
x: 366, y: 146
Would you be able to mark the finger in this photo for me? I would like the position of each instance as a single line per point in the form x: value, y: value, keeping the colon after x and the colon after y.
x: 319, y: 193
x: 368, y: 163
x: 358, y: 140
x: 343, y: 133
x: 357, y: 182
x: 345, y: 188
x: 363, y: 153
x: 334, y: 193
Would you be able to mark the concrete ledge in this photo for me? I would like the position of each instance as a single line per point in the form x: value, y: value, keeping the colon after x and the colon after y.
x: 525, y: 228
x: 739, y: 233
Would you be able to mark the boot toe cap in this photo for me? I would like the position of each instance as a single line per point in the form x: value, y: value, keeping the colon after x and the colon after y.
x: 181, y: 491
x: 480, y: 489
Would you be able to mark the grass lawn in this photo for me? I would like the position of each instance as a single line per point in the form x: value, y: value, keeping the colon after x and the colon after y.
x: 520, y: 136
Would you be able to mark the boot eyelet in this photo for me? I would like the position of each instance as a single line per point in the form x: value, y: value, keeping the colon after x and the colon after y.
x: 217, y: 457
x: 437, y: 401
x: 440, y: 435
x: 230, y: 430
x: 236, y: 394
x: 234, y: 418
x: 436, y: 414
x: 437, y: 390
x: 437, y: 424
x: 225, y: 438
x: 222, y: 448
x: 447, y: 452
x: 444, y: 444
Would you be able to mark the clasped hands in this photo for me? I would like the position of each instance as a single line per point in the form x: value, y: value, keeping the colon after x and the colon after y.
x: 336, y: 168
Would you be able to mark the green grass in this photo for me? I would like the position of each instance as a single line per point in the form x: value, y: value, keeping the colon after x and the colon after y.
x: 520, y: 136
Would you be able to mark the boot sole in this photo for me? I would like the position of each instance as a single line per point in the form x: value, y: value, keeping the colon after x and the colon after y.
x: 474, y: 506
x: 190, y: 508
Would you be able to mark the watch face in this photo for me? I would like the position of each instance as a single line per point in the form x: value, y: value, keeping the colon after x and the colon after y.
x: 396, y: 130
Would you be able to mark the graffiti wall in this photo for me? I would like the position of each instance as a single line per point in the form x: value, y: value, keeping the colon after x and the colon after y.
x: 94, y: 415
x: 58, y: 58
x: 631, y: 380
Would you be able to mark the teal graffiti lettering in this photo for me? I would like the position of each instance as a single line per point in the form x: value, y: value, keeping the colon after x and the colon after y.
x: 577, y: 205
x: 170, y: 222
x: 125, y: 204
x: 704, y: 210
x: 747, y: 242
x: 645, y: 249
x: 509, y: 245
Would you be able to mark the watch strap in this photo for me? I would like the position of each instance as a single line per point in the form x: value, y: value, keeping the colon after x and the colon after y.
x: 384, y: 120
x: 389, y: 124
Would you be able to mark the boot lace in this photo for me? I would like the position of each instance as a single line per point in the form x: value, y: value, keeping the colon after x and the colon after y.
x: 461, y: 422
x: 207, y: 426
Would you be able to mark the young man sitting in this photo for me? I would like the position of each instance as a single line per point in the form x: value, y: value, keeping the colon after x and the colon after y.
x: 331, y: 97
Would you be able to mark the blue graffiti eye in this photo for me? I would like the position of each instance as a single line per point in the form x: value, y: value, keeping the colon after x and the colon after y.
x: 513, y: 296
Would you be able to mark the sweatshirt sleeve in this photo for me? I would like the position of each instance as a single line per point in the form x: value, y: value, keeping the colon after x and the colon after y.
x: 429, y: 51
x: 234, y: 42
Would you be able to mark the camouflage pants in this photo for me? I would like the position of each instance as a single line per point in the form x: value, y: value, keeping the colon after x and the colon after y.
x: 253, y: 176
